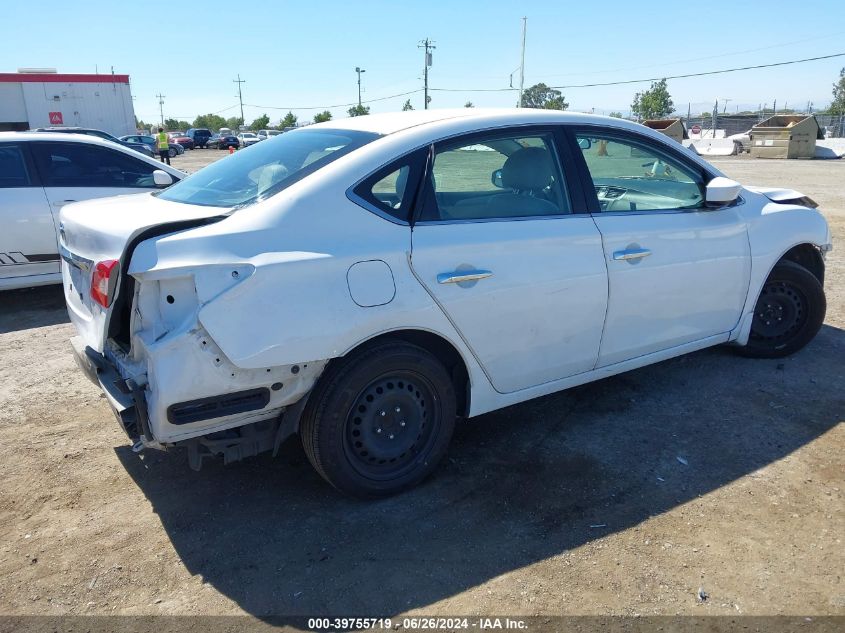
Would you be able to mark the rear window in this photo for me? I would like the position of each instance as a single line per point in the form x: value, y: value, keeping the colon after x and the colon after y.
x: 265, y: 168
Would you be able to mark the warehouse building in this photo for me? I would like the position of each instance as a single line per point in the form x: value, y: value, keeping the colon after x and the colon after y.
x: 32, y: 98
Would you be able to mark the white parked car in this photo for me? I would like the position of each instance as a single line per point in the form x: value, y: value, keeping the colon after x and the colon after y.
x: 248, y: 138
x: 265, y: 134
x: 366, y: 282
x: 39, y: 174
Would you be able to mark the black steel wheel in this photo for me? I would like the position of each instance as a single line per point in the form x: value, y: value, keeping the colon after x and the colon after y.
x: 788, y: 314
x: 380, y: 420
x: 389, y: 426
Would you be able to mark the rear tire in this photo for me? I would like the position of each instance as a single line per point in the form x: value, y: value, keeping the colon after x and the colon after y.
x: 789, y: 312
x: 380, y: 420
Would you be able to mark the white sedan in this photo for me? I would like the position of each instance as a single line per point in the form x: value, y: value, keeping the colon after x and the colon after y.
x: 248, y: 138
x: 42, y: 172
x: 366, y: 282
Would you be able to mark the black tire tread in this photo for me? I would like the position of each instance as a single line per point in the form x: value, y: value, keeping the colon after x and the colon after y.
x: 332, y: 380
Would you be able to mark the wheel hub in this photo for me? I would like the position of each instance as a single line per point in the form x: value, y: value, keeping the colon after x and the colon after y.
x: 389, y: 425
x: 780, y: 311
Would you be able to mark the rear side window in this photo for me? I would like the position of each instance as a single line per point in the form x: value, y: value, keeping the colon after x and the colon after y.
x: 390, y: 190
x: 496, y: 178
x: 266, y: 169
x: 82, y: 165
x: 13, y: 171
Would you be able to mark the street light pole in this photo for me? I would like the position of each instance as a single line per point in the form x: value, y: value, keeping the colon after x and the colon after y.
x: 359, y: 70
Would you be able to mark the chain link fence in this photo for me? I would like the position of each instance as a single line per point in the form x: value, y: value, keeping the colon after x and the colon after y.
x: 731, y: 124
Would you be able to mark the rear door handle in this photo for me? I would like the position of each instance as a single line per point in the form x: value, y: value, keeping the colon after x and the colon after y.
x: 458, y: 276
x: 61, y: 203
x: 633, y: 253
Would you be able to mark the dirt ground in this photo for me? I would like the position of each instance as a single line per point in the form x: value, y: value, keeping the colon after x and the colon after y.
x: 626, y: 496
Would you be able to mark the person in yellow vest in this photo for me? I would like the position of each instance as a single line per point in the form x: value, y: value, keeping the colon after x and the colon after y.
x: 163, y: 144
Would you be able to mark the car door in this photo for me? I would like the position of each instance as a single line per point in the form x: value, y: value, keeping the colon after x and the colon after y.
x: 28, y: 246
x: 72, y: 172
x: 505, y: 247
x: 678, y: 270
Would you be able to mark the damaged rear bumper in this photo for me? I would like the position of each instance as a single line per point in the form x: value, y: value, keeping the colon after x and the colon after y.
x: 124, y: 396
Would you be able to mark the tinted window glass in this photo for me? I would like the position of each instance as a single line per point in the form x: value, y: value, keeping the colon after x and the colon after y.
x: 497, y: 178
x: 82, y: 165
x: 633, y: 176
x: 266, y: 168
x: 388, y: 189
x: 13, y: 171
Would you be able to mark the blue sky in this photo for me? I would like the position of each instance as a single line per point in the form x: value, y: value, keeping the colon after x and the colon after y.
x: 297, y: 54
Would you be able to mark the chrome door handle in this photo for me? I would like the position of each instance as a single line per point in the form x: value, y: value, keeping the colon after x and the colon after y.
x: 463, y: 275
x: 634, y: 253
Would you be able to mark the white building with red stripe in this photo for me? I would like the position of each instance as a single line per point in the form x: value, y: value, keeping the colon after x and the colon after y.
x: 43, y: 98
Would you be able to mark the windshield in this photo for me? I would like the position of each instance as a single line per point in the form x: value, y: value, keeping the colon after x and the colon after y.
x: 266, y: 168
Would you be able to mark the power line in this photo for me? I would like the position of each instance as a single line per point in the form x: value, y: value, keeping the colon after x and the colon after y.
x: 636, y: 81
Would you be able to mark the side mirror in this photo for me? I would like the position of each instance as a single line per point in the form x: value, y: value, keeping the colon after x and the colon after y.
x: 496, y: 178
x: 161, y: 178
x: 721, y: 191
x: 584, y: 143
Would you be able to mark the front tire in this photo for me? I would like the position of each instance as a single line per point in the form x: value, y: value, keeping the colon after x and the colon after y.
x: 380, y: 420
x: 788, y: 314
x: 171, y: 152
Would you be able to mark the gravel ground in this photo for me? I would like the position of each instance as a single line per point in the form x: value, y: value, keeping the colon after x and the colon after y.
x: 625, y: 496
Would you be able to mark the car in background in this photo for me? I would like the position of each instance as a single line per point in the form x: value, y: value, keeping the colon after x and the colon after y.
x: 181, y: 139
x: 224, y: 141
x: 40, y: 174
x: 152, y: 143
x: 265, y: 134
x: 199, y: 135
x: 248, y: 138
x: 138, y: 147
x: 367, y: 282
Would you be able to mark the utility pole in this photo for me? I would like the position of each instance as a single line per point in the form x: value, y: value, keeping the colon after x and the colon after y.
x: 161, y: 107
x: 359, y: 70
x: 725, y: 109
x: 522, y: 61
x: 429, y: 46
x: 715, y: 117
x: 240, y: 81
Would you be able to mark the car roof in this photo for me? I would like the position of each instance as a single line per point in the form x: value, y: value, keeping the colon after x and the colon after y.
x: 392, y: 122
x: 83, y: 138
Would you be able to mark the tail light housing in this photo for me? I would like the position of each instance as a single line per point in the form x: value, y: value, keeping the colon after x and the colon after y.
x: 104, y: 281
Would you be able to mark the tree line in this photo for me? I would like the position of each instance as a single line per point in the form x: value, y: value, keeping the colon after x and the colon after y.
x: 653, y: 103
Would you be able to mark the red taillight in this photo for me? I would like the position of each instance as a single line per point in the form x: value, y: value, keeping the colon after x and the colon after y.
x: 102, y: 284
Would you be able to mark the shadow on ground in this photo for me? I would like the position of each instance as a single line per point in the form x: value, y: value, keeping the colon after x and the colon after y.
x: 519, y: 485
x: 32, y: 307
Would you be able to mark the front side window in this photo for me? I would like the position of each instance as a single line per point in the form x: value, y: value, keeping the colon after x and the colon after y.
x: 13, y: 171
x: 496, y: 178
x: 266, y: 169
x: 83, y: 165
x: 633, y: 176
